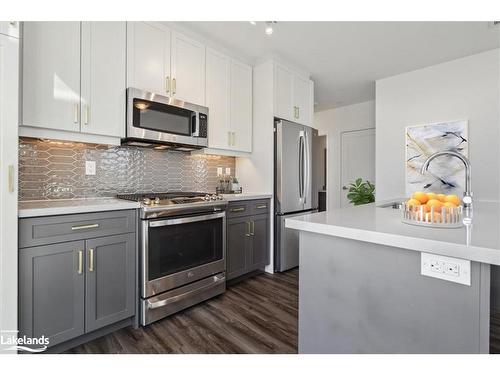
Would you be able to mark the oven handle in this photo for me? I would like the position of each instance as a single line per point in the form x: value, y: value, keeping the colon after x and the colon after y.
x: 216, y: 281
x: 185, y: 220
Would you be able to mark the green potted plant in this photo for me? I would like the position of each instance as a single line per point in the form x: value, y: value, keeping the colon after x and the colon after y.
x: 361, y: 192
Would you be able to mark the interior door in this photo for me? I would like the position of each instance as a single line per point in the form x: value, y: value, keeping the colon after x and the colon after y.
x: 241, y: 106
x: 188, y: 69
x: 148, y: 57
x: 103, y: 84
x: 51, y: 75
x: 358, y: 160
x: 288, y: 167
x: 218, y: 99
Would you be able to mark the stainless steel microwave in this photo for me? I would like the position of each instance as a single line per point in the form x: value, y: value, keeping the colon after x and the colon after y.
x: 154, y: 120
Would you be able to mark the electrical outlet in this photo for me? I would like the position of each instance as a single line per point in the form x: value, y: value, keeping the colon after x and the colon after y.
x: 228, y: 171
x: 90, y: 168
x: 446, y: 268
x: 219, y: 171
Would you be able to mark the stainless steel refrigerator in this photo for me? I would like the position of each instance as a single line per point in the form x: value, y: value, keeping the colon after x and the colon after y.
x: 294, y: 191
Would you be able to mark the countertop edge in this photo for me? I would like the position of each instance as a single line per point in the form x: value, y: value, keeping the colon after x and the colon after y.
x: 246, y: 196
x: 481, y: 254
x: 68, y: 210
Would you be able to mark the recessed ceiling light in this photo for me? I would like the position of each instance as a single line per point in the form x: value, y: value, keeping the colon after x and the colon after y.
x: 269, y: 27
x: 253, y: 23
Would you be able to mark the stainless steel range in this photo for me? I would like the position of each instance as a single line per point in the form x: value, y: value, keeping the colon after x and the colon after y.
x: 183, y: 250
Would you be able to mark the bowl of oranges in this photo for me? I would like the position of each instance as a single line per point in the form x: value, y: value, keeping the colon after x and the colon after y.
x: 432, y: 209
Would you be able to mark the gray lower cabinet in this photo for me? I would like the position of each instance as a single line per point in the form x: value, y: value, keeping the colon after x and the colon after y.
x: 247, y: 245
x: 52, y: 291
x: 72, y: 288
x: 110, y: 280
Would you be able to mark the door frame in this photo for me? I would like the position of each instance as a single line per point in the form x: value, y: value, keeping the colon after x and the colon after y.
x: 341, y: 163
x: 326, y: 134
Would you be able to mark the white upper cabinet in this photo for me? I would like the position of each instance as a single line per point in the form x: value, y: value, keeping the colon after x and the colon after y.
x: 149, y: 57
x: 188, y: 69
x: 303, y: 97
x: 293, y: 95
x: 10, y: 28
x: 51, y: 75
x: 283, y: 92
x: 241, y: 106
x: 218, y: 89
x: 103, y: 78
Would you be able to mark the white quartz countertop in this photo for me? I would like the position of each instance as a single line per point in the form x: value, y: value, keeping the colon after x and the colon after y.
x: 246, y: 196
x: 479, y: 242
x: 72, y: 206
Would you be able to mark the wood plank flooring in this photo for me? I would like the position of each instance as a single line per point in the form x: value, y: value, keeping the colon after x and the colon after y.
x: 258, y: 315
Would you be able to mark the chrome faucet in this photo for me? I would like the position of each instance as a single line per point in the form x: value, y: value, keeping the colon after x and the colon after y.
x: 467, y: 199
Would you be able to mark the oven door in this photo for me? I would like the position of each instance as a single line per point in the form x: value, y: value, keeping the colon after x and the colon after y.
x: 162, y: 119
x: 178, y: 251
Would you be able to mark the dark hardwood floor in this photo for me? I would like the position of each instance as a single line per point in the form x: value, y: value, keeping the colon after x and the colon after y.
x: 257, y: 315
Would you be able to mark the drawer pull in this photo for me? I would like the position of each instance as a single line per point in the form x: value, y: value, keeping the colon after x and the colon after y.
x: 87, y: 226
x: 262, y: 206
x: 253, y: 228
x: 80, y: 262
x: 248, y: 233
x: 238, y: 209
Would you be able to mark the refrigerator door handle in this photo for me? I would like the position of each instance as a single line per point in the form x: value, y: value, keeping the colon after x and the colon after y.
x: 307, y: 157
x: 301, y: 165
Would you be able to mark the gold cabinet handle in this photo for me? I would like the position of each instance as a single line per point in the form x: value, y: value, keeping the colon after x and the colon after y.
x: 248, y: 233
x: 167, y: 84
x: 79, y: 270
x: 238, y: 209
x: 253, y: 228
x: 262, y: 206
x: 174, y: 86
x: 11, y: 178
x: 298, y: 112
x: 234, y: 138
x: 86, y: 114
x: 229, y: 138
x: 75, y: 113
x: 91, y: 260
x: 86, y: 226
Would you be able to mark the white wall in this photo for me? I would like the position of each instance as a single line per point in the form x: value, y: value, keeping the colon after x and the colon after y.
x: 466, y: 88
x: 333, y: 122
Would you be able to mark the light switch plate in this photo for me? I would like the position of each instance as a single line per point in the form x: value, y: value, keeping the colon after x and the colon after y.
x: 228, y: 171
x: 219, y: 171
x: 90, y: 168
x: 441, y: 267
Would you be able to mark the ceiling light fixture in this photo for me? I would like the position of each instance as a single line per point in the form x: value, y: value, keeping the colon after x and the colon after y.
x: 253, y: 23
x: 269, y: 27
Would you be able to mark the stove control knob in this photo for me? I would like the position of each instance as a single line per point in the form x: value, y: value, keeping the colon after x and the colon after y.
x: 146, y: 201
x: 207, y: 197
x: 157, y: 200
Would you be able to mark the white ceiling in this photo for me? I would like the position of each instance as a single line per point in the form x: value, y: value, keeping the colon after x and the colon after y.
x: 345, y: 58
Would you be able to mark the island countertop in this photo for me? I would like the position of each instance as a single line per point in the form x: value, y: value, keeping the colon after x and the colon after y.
x: 368, y: 223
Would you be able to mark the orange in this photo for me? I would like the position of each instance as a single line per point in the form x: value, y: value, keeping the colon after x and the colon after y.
x: 441, y: 197
x: 431, y: 196
x: 449, y: 205
x: 420, y: 196
x: 453, y: 199
x: 413, y: 203
x: 437, y: 204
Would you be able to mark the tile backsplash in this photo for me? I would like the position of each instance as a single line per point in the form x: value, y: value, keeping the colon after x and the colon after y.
x: 53, y: 169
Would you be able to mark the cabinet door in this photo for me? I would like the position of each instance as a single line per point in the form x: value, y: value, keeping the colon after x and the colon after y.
x: 259, y: 256
x: 103, y: 83
x: 218, y: 103
x: 51, y: 75
x: 51, y: 291
x: 110, y: 280
x: 303, y: 100
x: 237, y: 247
x: 241, y: 106
x: 188, y: 69
x: 283, y: 92
x: 148, y: 60
x: 10, y: 28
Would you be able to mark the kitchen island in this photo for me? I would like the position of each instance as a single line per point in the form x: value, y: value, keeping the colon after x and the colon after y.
x: 361, y: 289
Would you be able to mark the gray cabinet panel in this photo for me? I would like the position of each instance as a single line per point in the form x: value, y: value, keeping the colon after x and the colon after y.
x: 260, y: 242
x: 237, y: 247
x: 110, y: 280
x: 51, y: 291
x: 53, y: 229
x: 238, y: 209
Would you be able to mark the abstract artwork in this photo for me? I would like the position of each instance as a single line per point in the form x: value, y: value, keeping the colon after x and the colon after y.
x: 446, y: 174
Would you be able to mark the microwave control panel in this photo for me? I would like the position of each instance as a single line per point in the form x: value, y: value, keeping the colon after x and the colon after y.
x: 203, y: 132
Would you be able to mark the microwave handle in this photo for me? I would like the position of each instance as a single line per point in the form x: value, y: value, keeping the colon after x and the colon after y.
x: 195, y: 124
